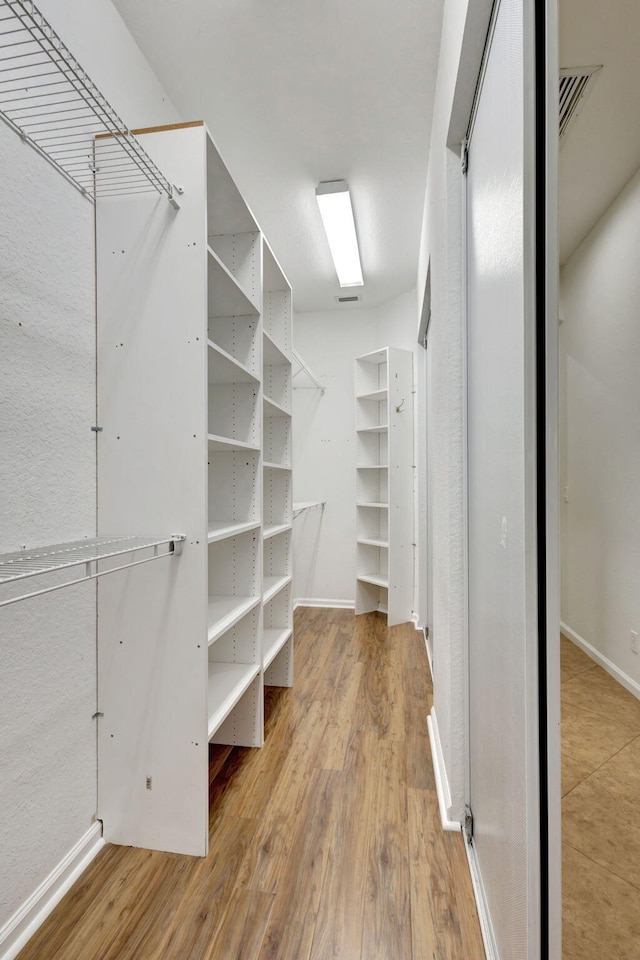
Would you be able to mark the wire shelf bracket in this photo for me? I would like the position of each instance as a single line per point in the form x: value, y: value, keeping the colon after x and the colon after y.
x: 303, y: 368
x: 52, y: 104
x: 23, y: 564
x: 299, y: 508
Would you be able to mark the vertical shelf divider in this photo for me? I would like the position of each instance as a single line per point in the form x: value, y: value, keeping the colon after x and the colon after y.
x: 278, y: 489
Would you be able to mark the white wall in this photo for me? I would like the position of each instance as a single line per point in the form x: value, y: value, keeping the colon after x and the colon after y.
x: 600, y: 435
x: 462, y: 41
x: 324, y: 460
x: 47, y: 468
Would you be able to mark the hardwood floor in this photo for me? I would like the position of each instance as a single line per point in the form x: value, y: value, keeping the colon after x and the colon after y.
x: 326, y: 843
x: 600, y: 786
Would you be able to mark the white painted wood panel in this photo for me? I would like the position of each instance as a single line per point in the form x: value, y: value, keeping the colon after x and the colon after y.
x: 152, y: 476
x: 503, y: 691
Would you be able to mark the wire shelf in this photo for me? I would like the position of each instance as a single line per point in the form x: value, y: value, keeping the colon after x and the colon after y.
x: 299, y: 508
x: 51, y: 102
x: 22, y: 564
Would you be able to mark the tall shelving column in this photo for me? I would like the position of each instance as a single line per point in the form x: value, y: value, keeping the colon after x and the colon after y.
x: 234, y: 409
x: 278, y: 488
x: 180, y: 411
x: 152, y: 471
x: 384, y: 483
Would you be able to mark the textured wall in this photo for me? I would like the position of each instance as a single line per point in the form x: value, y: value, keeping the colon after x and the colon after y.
x: 600, y: 346
x: 47, y: 466
x: 47, y: 399
x: 324, y: 438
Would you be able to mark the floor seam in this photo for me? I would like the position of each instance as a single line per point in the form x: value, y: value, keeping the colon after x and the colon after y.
x: 602, y: 866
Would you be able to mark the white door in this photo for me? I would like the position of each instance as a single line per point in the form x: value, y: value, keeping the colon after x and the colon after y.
x: 504, y: 747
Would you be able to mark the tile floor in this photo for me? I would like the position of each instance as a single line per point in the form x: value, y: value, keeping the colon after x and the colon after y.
x: 600, y: 826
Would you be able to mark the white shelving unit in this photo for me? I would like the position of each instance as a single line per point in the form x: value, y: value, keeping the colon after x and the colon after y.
x: 194, y: 335
x: 277, y: 379
x: 384, y: 483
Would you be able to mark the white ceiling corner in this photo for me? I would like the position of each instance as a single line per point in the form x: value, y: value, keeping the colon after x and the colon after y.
x: 295, y: 92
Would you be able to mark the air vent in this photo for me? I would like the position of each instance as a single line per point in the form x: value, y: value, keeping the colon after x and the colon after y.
x: 576, y: 84
x: 352, y: 298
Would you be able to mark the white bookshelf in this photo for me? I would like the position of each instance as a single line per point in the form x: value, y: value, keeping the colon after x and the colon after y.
x: 277, y: 380
x: 194, y: 397
x: 384, y: 483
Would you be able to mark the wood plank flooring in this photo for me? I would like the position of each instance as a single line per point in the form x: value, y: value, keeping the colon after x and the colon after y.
x: 324, y: 845
x: 600, y: 786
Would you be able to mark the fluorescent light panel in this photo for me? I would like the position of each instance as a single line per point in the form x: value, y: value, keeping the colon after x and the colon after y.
x: 336, y: 211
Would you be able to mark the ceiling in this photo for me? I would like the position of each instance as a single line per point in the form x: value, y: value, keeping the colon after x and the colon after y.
x: 602, y: 149
x: 298, y: 91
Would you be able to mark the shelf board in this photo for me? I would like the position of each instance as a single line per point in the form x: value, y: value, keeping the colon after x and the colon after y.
x: 377, y: 356
x: 377, y: 506
x: 273, y: 585
x: 268, y: 465
x: 273, y: 529
x: 374, y: 578
x: 224, y: 368
x: 222, y: 529
x: 380, y: 428
x: 226, y: 297
x: 383, y: 544
x: 374, y: 466
x: 272, y: 644
x: 272, y: 354
x: 224, y: 613
x: 272, y: 409
x: 226, y: 684
x: 229, y: 445
x: 376, y: 395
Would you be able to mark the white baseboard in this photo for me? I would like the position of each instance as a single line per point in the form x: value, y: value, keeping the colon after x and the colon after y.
x: 623, y: 678
x: 484, y: 916
x: 427, y: 643
x: 25, y: 921
x: 440, y: 771
x: 321, y: 602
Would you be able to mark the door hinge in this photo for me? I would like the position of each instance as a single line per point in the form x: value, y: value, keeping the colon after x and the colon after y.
x: 465, y: 156
x: 467, y: 827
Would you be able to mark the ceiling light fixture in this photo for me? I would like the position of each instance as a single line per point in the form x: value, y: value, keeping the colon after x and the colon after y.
x: 336, y: 211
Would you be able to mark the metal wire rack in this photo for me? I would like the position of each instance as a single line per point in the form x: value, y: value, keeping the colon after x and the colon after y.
x: 299, y: 508
x: 18, y: 566
x: 52, y: 103
x: 302, y: 367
